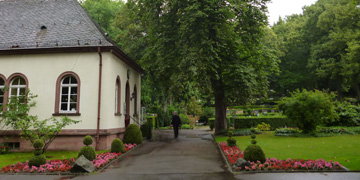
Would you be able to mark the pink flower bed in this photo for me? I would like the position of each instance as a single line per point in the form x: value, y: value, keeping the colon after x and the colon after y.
x: 63, y: 165
x: 233, y: 153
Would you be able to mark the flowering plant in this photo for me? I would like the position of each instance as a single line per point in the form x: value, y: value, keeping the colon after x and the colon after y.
x: 63, y: 165
x: 4, y: 149
x: 233, y: 153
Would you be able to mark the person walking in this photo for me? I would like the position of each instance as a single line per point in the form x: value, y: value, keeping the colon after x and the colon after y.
x: 176, y: 123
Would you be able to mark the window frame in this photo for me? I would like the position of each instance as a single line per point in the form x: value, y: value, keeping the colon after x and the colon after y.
x: 118, y: 96
x: 135, y: 101
x: 8, y: 82
x: 4, y: 95
x: 57, y: 111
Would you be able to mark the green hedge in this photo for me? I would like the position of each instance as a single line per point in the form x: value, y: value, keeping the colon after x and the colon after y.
x: 275, y: 122
x: 153, y: 121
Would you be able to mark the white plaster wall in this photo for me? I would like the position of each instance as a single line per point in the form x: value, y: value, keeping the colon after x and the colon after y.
x: 42, y: 71
x: 113, y: 67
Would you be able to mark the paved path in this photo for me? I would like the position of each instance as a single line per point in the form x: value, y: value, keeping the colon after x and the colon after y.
x: 193, y: 155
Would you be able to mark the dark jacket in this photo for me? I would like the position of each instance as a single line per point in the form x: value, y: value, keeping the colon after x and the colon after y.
x: 175, y: 120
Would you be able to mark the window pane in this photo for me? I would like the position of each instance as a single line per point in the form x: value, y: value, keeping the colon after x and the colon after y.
x: 2, y: 82
x: 22, y: 81
x: 1, y: 92
x: 72, y: 106
x: 15, y: 81
x: 66, y: 80
x: 64, y: 106
x: 1, y: 100
x: 22, y: 91
x: 13, y: 91
x: 64, y: 98
x: 73, y: 80
x: 73, y: 90
x: 73, y: 98
x: 65, y: 90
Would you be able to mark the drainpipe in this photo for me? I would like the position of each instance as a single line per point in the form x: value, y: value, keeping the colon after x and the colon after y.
x: 99, y: 101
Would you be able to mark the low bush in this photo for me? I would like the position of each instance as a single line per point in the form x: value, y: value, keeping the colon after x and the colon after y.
x: 263, y: 126
x: 146, y: 130
x: 37, y: 160
x: 88, y: 152
x: 253, y: 152
x: 287, y: 132
x: 184, y: 119
x: 231, y: 141
x: 186, y: 126
x: 246, y: 132
x: 133, y: 134
x: 212, y: 123
x: 349, y: 115
x: 87, y: 140
x: 273, y: 121
x: 117, y: 146
x: 333, y: 130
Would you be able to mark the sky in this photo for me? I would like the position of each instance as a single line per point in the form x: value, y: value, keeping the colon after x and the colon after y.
x: 283, y: 8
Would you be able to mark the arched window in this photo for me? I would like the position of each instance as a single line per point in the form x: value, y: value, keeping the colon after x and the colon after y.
x: 67, y: 94
x: 2, y: 91
x: 18, y: 87
x: 135, y: 101
x: 117, y: 96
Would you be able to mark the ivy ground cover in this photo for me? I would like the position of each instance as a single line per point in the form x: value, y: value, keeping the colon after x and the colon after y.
x: 64, y: 165
x: 344, y: 148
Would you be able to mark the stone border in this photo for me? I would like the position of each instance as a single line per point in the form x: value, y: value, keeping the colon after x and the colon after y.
x: 229, y: 167
x: 74, y: 174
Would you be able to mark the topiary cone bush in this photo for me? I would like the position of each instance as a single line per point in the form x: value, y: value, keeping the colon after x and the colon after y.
x: 117, y: 146
x: 133, y: 135
x: 231, y: 141
x: 38, y: 159
x: 87, y: 151
x: 87, y: 140
x: 253, y: 152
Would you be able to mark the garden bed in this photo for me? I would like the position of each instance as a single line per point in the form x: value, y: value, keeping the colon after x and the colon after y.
x: 62, y: 167
x: 231, y: 154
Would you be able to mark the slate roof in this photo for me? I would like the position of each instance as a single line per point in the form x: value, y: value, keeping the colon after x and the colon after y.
x: 34, y: 24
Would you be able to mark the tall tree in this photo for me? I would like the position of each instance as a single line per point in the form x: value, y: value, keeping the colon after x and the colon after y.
x: 216, y: 44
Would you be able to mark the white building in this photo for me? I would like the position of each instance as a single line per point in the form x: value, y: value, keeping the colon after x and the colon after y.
x: 56, y: 50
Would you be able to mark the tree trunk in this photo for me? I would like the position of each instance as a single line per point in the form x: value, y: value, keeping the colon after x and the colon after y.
x: 356, y: 87
x: 220, y: 112
x: 339, y: 88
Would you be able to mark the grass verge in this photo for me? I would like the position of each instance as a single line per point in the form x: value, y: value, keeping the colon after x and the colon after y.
x: 345, y: 149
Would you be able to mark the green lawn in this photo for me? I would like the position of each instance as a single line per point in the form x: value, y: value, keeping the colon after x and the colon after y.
x: 13, y: 158
x: 345, y: 149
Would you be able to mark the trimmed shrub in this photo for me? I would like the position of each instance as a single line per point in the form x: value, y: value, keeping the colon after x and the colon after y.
x: 133, y: 135
x: 88, y: 152
x: 37, y: 152
x: 146, y: 130
x: 254, y: 153
x: 117, y: 146
x: 253, y: 136
x: 212, y: 123
x: 287, y: 132
x: 274, y: 122
x: 37, y: 160
x: 309, y: 109
x: 88, y: 140
x: 253, y: 141
x: 231, y: 142
x: 38, y: 144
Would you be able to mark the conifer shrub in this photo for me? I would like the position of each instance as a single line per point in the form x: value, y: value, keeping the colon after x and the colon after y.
x: 231, y: 141
x: 88, y: 152
x: 254, y: 153
x: 146, y: 130
x: 117, y: 146
x: 38, y: 159
x: 87, y: 140
x: 133, y: 135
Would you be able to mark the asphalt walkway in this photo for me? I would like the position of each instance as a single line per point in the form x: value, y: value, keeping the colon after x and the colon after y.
x: 193, y: 155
